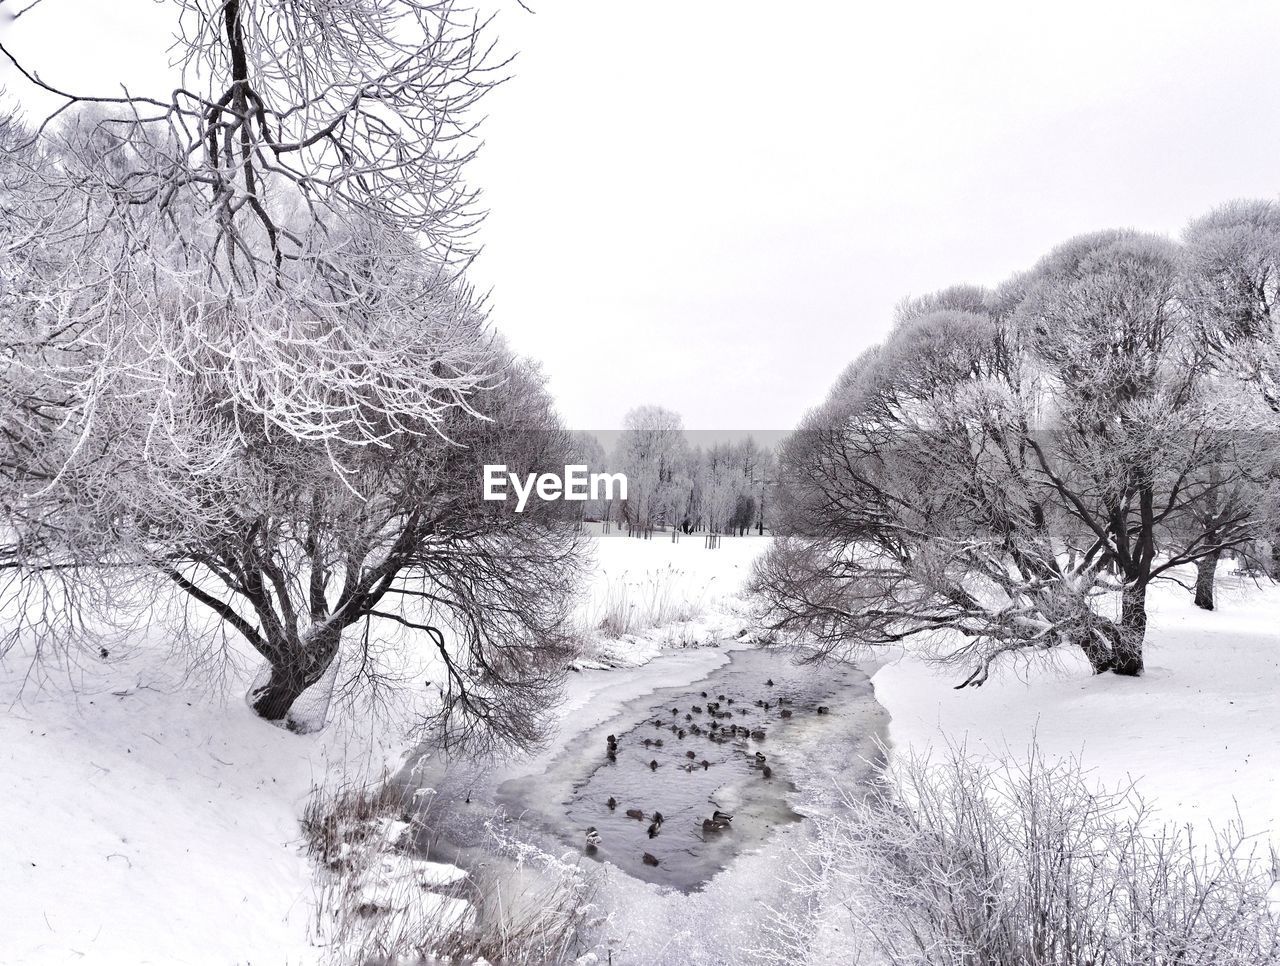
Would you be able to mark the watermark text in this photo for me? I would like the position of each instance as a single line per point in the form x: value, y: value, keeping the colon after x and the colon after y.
x: 576, y: 484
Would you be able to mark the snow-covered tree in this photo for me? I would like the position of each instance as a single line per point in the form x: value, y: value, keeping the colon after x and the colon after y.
x: 1232, y: 288
x: 258, y: 370
x: 1232, y: 258
x: 1011, y: 479
x: 648, y: 450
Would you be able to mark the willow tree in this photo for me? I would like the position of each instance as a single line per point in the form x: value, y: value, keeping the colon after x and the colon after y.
x: 1232, y: 278
x: 1009, y: 474
x: 263, y: 375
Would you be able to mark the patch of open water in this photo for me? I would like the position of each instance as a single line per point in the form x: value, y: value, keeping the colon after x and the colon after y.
x: 752, y: 722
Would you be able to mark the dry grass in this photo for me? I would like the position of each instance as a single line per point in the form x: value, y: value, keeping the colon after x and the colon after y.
x: 539, y: 911
x: 628, y: 604
x: 376, y: 902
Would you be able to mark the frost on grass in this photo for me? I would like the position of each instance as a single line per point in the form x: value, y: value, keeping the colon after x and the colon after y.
x: 1028, y: 862
x: 377, y: 900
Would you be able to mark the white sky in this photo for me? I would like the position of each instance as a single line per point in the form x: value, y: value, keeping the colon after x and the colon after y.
x: 714, y: 205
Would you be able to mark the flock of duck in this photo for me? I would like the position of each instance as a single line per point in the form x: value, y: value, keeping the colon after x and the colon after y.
x: 719, y: 729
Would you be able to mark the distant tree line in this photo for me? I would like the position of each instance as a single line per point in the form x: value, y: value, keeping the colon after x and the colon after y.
x: 673, y: 483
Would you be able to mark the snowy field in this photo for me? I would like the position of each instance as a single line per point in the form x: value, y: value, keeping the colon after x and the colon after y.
x: 149, y: 823
x: 1199, y: 732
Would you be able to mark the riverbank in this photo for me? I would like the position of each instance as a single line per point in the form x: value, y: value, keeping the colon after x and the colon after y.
x: 131, y: 788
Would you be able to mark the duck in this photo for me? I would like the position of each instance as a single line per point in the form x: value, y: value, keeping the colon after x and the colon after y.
x: 636, y: 814
x: 680, y: 734
x: 720, y: 697
x: 612, y: 803
x: 657, y: 742
x: 823, y: 709
x: 648, y: 742
x: 697, y: 709
x: 648, y: 859
x: 758, y: 734
x: 675, y: 710
x: 784, y: 713
x: 769, y: 683
x: 766, y: 771
x: 705, y: 764
x: 653, y: 829
x: 653, y: 765
x: 704, y: 694
x: 690, y: 754
x: 760, y: 759
x: 718, y: 822
x: 593, y: 839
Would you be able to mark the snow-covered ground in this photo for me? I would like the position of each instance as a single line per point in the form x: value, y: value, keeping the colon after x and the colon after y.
x: 1199, y: 732
x: 147, y: 821
x: 150, y: 818
x: 661, y: 594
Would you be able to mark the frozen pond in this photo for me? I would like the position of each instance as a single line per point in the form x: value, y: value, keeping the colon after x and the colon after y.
x: 726, y: 714
x: 732, y: 741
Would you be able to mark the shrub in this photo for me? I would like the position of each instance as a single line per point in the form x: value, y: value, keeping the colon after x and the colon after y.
x: 964, y: 863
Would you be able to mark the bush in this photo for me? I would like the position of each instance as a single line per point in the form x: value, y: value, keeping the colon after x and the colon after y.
x: 963, y: 863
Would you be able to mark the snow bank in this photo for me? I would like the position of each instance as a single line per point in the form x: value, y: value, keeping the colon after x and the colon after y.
x: 150, y: 821
x: 146, y: 824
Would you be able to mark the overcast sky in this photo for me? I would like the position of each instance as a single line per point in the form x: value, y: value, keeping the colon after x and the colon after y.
x: 714, y: 205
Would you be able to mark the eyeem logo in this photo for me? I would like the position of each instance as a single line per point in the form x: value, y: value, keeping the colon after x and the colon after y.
x: 576, y: 484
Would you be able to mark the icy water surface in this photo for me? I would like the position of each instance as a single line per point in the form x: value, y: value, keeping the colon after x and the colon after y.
x: 663, y: 741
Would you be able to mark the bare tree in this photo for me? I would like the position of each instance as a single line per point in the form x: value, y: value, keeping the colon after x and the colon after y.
x: 363, y: 107
x: 648, y: 450
x: 1010, y: 480
x: 402, y: 540
x: 256, y: 370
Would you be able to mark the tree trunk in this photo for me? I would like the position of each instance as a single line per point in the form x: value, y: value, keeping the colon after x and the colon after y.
x: 1101, y: 657
x: 1132, y: 632
x: 274, y: 699
x: 306, y: 663
x: 1206, y: 570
